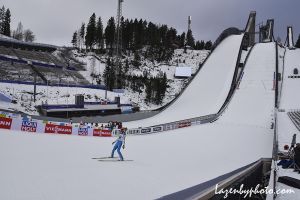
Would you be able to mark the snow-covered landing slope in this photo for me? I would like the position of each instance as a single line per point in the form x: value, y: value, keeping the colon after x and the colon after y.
x: 54, y: 167
x: 208, y: 90
x: 290, y: 95
x: 290, y: 98
x: 57, y: 167
x: 253, y: 103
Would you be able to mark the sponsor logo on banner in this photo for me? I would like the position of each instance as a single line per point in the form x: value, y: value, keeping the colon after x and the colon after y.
x: 184, y: 124
x: 83, y: 131
x: 5, y: 123
x: 101, y: 133
x: 29, y: 126
x: 146, y: 130
x: 52, y: 128
x: 157, y: 129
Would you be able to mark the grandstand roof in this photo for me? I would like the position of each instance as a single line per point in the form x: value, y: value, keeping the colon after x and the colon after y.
x: 11, y: 42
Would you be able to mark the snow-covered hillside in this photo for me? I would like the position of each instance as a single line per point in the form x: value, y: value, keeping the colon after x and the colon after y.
x: 23, y: 94
x: 95, y: 64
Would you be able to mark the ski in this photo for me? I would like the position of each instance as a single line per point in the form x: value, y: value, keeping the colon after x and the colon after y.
x: 114, y: 160
x: 108, y: 157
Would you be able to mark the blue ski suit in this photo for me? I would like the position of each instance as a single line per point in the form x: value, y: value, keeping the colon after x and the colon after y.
x: 118, y: 145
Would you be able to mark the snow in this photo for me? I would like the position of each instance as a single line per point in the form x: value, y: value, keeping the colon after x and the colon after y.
x: 280, y: 186
x: 183, y: 71
x: 40, y: 166
x: 208, y: 90
x: 257, y: 82
x: 290, y: 96
x: 95, y: 64
x: 52, y: 95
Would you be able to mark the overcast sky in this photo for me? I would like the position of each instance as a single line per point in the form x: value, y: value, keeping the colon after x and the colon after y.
x: 54, y: 21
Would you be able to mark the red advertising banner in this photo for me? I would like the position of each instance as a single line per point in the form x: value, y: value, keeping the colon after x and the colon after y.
x: 28, y: 126
x: 184, y: 124
x: 5, y: 123
x: 101, y: 133
x: 52, y: 128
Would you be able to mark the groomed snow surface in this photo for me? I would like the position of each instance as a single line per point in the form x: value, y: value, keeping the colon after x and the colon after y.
x: 56, y: 167
x: 208, y: 90
x: 52, y: 167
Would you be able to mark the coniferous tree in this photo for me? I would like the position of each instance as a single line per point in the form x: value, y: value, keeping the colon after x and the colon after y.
x: 297, y: 45
x: 99, y: 33
x: 6, y: 23
x: 208, y: 45
x: 109, y: 75
x: 182, y: 40
x: 90, y: 38
x: 74, y: 39
x: 18, y: 33
x: 110, y: 32
x: 148, y: 91
x: 2, y: 19
x: 81, y: 36
x: 190, y: 41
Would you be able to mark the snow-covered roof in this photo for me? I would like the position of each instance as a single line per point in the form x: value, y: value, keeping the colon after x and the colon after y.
x: 183, y: 71
x: 5, y: 39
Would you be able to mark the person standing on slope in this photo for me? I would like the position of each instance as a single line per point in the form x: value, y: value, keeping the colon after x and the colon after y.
x: 118, y: 144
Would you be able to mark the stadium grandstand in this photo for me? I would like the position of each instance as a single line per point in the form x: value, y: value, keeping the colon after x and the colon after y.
x: 21, y: 61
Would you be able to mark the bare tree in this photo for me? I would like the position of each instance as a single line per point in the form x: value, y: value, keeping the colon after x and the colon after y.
x: 28, y: 36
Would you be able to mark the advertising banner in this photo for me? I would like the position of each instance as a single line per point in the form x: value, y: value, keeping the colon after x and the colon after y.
x: 52, y: 128
x: 29, y: 126
x: 83, y: 131
x: 184, y: 124
x: 5, y: 123
x: 102, y: 133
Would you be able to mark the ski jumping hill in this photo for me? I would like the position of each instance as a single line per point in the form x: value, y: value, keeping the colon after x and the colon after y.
x: 60, y: 167
x: 207, y: 92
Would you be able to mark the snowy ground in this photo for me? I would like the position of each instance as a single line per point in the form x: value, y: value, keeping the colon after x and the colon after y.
x: 280, y: 186
x: 40, y: 166
x: 96, y: 64
x: 289, y: 101
x: 52, y: 95
x: 192, y: 58
x: 54, y: 167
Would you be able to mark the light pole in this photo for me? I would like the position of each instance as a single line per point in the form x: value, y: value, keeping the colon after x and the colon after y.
x: 34, y: 79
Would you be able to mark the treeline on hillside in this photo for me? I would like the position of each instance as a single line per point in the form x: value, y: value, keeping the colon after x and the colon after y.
x: 154, y: 87
x: 297, y: 45
x: 5, y: 29
x: 136, y: 34
x: 140, y: 39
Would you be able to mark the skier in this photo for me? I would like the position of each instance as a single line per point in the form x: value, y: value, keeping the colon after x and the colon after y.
x: 118, y: 144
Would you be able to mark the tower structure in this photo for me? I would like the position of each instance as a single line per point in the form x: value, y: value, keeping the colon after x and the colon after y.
x: 188, y: 32
x: 118, y: 34
x: 290, y: 37
x: 189, y: 23
x: 118, y: 46
x: 250, y: 29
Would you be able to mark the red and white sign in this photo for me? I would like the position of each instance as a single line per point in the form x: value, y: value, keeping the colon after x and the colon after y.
x: 101, y: 133
x: 29, y: 126
x: 5, y: 123
x: 52, y: 128
x: 184, y: 124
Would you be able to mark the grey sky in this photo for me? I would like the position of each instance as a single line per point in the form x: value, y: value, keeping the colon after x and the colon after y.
x: 209, y: 17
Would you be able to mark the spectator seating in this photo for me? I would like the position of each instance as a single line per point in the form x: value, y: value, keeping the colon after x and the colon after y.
x: 295, y: 117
